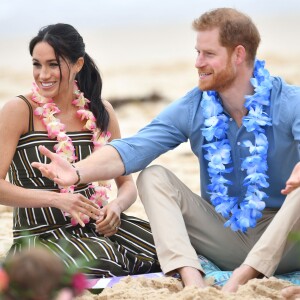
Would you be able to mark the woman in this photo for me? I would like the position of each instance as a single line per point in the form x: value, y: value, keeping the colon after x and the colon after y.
x: 64, y: 111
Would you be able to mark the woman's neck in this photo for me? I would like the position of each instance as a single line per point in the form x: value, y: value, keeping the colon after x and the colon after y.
x: 64, y: 102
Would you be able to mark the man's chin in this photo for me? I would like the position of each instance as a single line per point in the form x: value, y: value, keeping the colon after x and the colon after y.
x: 204, y: 87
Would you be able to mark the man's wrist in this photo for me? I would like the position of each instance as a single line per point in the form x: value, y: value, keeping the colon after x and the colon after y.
x: 78, y: 175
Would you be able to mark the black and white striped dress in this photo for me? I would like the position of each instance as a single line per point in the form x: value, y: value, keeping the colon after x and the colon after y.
x: 130, y: 251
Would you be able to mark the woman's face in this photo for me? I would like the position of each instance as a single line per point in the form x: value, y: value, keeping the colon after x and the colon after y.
x: 53, y: 82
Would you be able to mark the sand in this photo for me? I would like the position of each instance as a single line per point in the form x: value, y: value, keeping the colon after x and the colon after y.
x: 171, y: 77
x: 170, y: 288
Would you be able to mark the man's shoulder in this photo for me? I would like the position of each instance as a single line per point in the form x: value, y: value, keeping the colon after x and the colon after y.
x: 193, y: 94
x: 285, y: 98
x: 192, y: 97
x: 285, y: 89
x: 186, y: 105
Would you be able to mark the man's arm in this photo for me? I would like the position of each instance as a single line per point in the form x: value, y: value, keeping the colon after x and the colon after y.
x: 103, y: 164
x: 124, y: 156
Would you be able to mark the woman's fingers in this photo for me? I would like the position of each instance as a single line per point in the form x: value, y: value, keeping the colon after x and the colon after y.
x: 43, y: 150
x: 37, y: 165
x: 108, y: 227
x: 79, y: 207
x: 77, y: 217
x: 80, y: 222
x: 90, y: 208
x: 110, y: 230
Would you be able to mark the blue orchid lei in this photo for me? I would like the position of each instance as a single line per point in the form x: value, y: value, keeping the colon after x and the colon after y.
x: 241, y: 215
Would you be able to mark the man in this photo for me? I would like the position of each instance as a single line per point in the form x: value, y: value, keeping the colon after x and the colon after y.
x: 244, y: 127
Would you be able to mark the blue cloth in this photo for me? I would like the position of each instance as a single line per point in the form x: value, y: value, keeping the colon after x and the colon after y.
x: 182, y: 121
x: 221, y: 277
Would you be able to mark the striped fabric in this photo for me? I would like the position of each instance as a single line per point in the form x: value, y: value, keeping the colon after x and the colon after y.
x: 130, y: 251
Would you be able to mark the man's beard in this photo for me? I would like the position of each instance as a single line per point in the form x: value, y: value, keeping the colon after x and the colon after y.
x: 219, y: 81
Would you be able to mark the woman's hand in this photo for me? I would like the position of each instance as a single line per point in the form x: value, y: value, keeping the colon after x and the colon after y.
x: 109, y: 221
x: 293, y: 182
x: 76, y: 204
x: 59, y: 170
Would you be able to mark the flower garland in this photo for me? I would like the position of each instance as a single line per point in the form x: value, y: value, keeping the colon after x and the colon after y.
x: 47, y: 111
x: 241, y: 215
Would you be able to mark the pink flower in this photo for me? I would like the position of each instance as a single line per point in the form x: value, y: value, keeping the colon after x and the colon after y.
x: 39, y: 111
x: 79, y: 283
x: 100, y: 140
x: 83, y: 217
x: 69, y: 189
x: 90, y: 125
x: 36, y: 97
x: 54, y: 128
x: 80, y: 101
x: 73, y: 221
x: 4, y: 280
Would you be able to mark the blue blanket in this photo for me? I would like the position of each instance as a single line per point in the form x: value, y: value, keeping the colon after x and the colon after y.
x: 221, y: 277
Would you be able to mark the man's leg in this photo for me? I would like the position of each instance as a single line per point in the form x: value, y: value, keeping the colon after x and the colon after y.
x: 273, y: 250
x: 183, y: 223
x: 159, y: 194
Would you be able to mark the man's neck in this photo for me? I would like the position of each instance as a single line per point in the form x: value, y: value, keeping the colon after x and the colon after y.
x: 233, y: 98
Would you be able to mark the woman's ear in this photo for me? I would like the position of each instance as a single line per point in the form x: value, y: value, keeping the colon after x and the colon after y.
x: 79, y: 64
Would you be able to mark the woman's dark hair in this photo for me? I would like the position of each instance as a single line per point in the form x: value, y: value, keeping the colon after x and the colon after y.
x: 68, y: 45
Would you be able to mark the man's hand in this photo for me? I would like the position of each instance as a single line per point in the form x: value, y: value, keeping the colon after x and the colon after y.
x: 293, y: 182
x: 59, y: 170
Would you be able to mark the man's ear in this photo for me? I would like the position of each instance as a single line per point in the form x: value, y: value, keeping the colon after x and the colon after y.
x: 239, y: 54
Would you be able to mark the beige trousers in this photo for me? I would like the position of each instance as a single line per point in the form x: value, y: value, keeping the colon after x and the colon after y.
x: 184, y: 225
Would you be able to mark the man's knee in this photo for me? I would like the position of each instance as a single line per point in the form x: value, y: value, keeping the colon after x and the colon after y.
x: 150, y: 173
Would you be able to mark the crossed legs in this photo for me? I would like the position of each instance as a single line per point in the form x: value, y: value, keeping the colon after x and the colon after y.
x: 183, y: 224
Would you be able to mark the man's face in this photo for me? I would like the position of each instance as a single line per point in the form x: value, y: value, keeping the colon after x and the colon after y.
x: 215, y: 69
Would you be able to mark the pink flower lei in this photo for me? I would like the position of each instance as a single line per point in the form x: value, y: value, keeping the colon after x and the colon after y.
x: 47, y: 111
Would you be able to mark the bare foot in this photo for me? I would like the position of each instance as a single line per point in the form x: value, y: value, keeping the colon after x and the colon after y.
x: 191, y: 277
x: 239, y: 276
x: 291, y: 293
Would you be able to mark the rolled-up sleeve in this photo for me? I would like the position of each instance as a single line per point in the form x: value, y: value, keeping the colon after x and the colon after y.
x: 168, y: 130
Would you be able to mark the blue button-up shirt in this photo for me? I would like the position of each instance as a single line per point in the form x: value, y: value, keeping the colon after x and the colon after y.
x: 182, y: 121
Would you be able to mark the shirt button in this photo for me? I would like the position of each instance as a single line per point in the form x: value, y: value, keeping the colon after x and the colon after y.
x: 238, y: 143
x: 230, y: 119
x: 242, y: 169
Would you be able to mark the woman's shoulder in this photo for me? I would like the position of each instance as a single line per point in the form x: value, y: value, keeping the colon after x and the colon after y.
x: 18, y: 107
x: 108, y: 105
x: 14, y: 105
x: 16, y: 111
x: 18, y: 103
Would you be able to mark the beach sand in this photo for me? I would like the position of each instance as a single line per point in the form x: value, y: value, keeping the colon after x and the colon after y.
x: 171, y: 77
x: 170, y: 288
